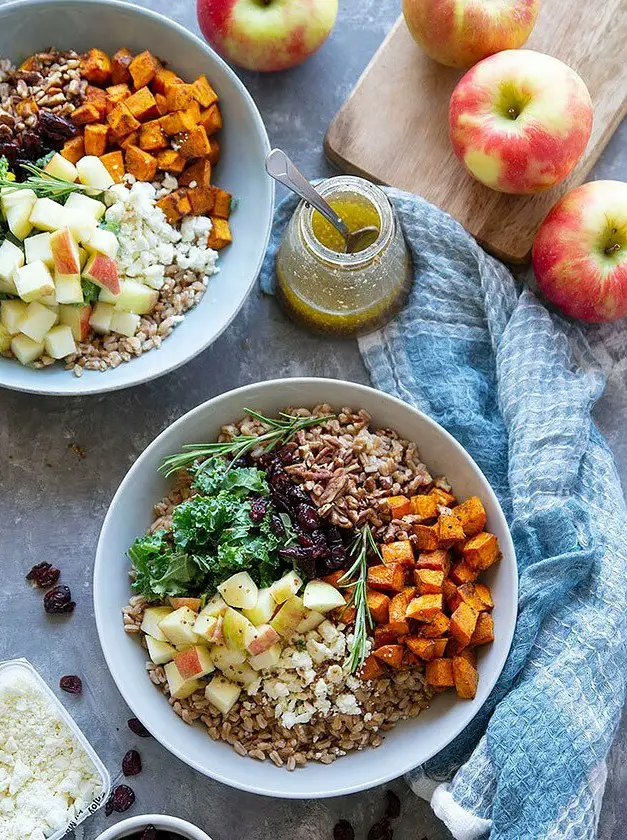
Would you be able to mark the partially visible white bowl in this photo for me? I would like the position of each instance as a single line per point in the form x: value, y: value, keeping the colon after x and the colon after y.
x: 126, y: 827
x: 410, y: 743
x: 31, y: 25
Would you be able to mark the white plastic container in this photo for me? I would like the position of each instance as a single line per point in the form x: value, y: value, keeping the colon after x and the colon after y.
x: 24, y: 665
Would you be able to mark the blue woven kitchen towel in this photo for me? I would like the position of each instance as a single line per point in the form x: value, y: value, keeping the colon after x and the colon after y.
x: 516, y: 385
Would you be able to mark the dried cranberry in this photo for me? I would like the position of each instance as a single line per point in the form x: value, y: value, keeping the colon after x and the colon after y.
x: 258, y: 508
x: 131, y: 763
x: 307, y: 517
x: 43, y: 574
x: 242, y: 461
x: 276, y: 525
x: 59, y: 600
x: 149, y: 833
x: 343, y: 830
x: 392, y: 805
x: 32, y: 146
x: 302, y: 559
x: 121, y: 799
x: 71, y: 684
x: 10, y: 151
x: 381, y: 830
x: 55, y: 128
x: 136, y: 726
x: 287, y: 454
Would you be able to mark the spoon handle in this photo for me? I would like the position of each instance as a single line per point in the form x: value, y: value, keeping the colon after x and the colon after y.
x: 281, y: 168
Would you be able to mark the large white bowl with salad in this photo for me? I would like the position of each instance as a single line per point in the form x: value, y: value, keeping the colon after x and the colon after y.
x: 319, y: 589
x: 134, y: 206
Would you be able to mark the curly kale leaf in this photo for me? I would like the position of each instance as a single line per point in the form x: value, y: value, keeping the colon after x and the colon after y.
x: 161, y: 570
x: 213, y: 475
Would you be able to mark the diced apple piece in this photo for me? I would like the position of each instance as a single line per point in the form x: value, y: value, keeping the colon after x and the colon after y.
x: 322, y: 597
x: 266, y: 660
x: 135, y: 297
x: 178, y: 627
x: 5, y: 339
x: 65, y: 253
x: 265, y: 637
x: 103, y: 271
x: 150, y: 622
x: 237, y: 629
x: 216, y: 605
x: 194, y: 662
x: 179, y: 688
x: 93, y: 173
x: 25, y: 349
x: 103, y: 241
x: 193, y: 603
x: 38, y: 248
x: 77, y: 318
x: 86, y: 206
x: 160, y: 652
x: 59, y: 342
x: 11, y: 258
x: 19, y: 221
x: 60, y: 167
x: 81, y: 224
x: 11, y: 313
x: 289, y: 616
x: 47, y: 215
x: 100, y: 320
x: 263, y: 610
x: 83, y: 256
x: 50, y: 301
x: 205, y: 626
x: 243, y: 674
x: 68, y: 289
x: 222, y: 693
x: 310, y: 621
x: 37, y: 320
x: 125, y: 323
x: 224, y: 657
x: 33, y: 281
x: 287, y: 586
x: 239, y: 590
x: 12, y: 197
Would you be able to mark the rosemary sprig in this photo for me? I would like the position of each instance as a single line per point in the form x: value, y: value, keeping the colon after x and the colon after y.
x: 356, y: 577
x: 45, y: 185
x: 281, y: 431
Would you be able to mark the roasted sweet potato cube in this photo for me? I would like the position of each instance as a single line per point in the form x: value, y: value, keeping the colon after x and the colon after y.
x: 470, y: 656
x: 333, y: 577
x: 178, y: 96
x: 214, y: 153
x: 114, y: 163
x: 429, y: 581
x: 152, y: 136
x: 97, y: 97
x: 73, y: 149
x: 484, y: 594
x: 463, y: 623
x: 466, y: 592
x: 161, y: 106
x: 425, y: 607
x: 345, y: 614
x: 197, y: 174
x: 222, y: 201
x: 397, y: 506
x: 195, y: 143
x: 163, y: 78
x: 379, y: 606
x: 450, y: 530
x: 466, y: 678
x: 424, y: 648
x: 204, y: 94
x: 438, y: 560
x: 463, y: 573
x: 86, y: 113
x: 96, y: 67
x: 398, y: 552
x: 140, y: 164
x: 386, y: 578
x: 481, y: 551
x: 175, y: 205
x: 169, y: 160
x: 131, y: 139
x: 143, y: 68
x: 439, y: 646
x: 426, y: 537
x: 120, y: 62
x: 211, y: 119
x: 437, y: 626
x: 121, y: 121
x: 384, y: 635
x: 449, y: 588
x: 372, y: 669
x: 96, y: 139
x: 398, y: 608
x: 484, y: 630
x: 115, y: 94
x: 426, y: 507
x: 439, y: 673
x: 444, y: 498
x: 179, y: 121
x: 220, y: 235
x: 142, y: 105
x: 201, y: 199
x: 392, y: 655
x: 472, y: 516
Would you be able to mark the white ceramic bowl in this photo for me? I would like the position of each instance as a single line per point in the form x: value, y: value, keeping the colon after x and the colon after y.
x: 412, y: 742
x: 127, y: 827
x: 30, y: 25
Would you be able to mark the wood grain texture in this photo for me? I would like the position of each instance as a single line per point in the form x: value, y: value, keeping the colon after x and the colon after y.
x: 393, y: 129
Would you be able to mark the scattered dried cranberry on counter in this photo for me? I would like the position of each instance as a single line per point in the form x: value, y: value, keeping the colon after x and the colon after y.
x: 71, y: 684
x: 43, y: 575
x: 131, y: 763
x: 136, y: 726
x: 121, y: 799
x: 381, y: 830
x: 392, y: 805
x: 343, y: 830
x: 59, y: 600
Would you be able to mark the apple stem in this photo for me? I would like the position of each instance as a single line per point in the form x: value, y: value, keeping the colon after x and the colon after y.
x: 611, y: 249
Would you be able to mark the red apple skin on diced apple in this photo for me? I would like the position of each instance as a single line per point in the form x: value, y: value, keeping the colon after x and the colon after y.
x: 580, y: 252
x: 65, y: 253
x: 188, y: 663
x: 217, y: 636
x: 520, y: 120
x: 103, y: 271
x: 265, y: 638
x: 192, y: 603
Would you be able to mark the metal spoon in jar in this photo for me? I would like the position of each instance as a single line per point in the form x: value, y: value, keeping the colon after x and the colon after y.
x: 281, y: 168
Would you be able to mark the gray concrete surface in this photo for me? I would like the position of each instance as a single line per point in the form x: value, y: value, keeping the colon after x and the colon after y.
x: 52, y: 501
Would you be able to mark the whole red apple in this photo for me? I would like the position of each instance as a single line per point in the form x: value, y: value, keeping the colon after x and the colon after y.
x: 266, y: 34
x: 460, y: 33
x: 520, y: 120
x: 580, y: 252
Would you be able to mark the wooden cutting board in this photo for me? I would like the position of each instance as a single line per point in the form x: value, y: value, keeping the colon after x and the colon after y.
x: 393, y: 129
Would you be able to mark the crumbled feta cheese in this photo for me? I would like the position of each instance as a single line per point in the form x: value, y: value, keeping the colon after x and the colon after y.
x: 347, y: 704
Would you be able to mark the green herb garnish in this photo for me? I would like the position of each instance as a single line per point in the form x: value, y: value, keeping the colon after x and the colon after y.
x: 90, y: 291
x: 356, y: 577
x: 280, y: 432
x: 45, y: 185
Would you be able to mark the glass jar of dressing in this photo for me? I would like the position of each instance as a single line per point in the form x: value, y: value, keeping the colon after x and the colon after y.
x: 329, y: 291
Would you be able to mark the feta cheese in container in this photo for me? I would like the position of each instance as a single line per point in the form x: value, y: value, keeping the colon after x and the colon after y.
x: 50, y: 777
